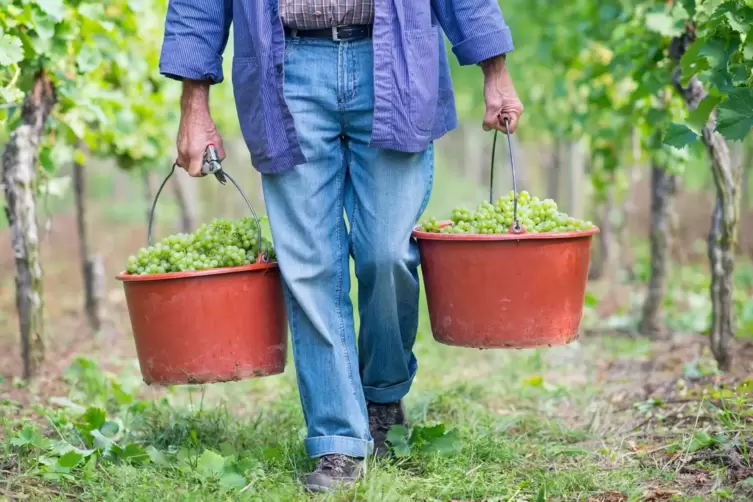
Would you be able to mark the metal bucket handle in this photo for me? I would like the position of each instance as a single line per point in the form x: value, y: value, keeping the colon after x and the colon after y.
x: 211, y: 165
x: 516, y: 227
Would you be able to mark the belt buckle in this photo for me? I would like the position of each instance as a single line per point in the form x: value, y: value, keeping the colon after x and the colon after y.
x: 335, y: 38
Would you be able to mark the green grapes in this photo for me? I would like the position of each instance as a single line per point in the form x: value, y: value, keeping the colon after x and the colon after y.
x: 222, y: 243
x: 535, y: 215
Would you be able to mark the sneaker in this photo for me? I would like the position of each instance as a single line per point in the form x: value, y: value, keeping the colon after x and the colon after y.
x: 333, y: 472
x: 381, y: 418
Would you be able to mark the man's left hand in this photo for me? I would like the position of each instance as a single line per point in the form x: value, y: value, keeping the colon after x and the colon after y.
x: 501, y: 99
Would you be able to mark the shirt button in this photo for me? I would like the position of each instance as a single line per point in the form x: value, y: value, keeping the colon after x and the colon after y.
x: 317, y: 13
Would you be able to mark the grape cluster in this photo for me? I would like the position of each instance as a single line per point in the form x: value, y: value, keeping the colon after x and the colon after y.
x: 535, y: 215
x: 222, y: 243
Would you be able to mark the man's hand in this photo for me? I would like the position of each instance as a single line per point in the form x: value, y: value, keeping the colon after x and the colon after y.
x: 501, y: 100
x: 197, y: 129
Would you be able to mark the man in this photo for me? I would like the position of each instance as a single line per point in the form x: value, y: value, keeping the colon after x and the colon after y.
x: 339, y: 102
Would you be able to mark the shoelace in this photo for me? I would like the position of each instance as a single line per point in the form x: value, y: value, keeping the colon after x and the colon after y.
x: 332, y: 463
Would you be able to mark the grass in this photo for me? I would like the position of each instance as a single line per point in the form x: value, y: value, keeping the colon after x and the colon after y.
x: 528, y: 425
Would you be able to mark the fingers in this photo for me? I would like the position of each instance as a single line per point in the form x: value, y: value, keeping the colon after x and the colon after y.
x: 183, y: 159
x: 491, y: 119
x: 220, y: 148
x: 509, y: 122
x: 190, y: 159
x: 504, y: 121
x: 194, y: 166
x: 191, y: 151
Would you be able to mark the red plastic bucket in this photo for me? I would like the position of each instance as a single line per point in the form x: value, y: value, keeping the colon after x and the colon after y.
x: 505, y: 290
x: 208, y: 326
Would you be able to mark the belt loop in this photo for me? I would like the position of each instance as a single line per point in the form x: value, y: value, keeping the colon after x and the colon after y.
x: 294, y: 33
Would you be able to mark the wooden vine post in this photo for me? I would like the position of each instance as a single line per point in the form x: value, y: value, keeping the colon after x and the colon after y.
x: 725, y: 217
x: 663, y: 188
x: 19, y: 180
x: 92, y: 268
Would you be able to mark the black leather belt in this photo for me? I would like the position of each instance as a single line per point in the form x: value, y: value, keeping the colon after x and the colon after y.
x: 336, y: 33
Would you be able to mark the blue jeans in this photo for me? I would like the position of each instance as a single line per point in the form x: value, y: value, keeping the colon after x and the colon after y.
x: 329, y: 90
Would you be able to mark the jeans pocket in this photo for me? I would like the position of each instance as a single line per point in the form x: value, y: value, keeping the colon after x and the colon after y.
x: 423, y: 76
x: 248, y: 102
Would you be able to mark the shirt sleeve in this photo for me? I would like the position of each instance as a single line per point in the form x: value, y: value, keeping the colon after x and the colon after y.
x: 196, y: 33
x: 476, y: 29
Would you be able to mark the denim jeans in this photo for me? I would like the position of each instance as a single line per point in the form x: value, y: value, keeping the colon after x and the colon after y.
x: 329, y: 90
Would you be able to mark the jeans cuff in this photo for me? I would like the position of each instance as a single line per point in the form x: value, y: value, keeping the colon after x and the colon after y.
x: 390, y: 394
x: 343, y: 445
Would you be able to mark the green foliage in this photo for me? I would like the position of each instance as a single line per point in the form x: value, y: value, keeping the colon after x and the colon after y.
x: 103, y: 60
x: 721, y: 57
x: 601, y: 71
x: 427, y: 440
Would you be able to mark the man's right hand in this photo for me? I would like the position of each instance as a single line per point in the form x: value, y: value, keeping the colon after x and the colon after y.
x: 197, y: 129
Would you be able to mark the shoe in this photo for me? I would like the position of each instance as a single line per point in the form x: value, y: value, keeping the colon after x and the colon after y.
x: 333, y: 472
x: 381, y: 418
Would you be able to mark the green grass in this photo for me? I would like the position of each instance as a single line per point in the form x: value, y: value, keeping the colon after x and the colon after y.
x: 512, y: 441
x: 528, y: 424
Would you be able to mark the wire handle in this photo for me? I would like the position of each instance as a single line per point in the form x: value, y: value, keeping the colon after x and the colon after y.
x: 516, y: 227
x: 211, y: 165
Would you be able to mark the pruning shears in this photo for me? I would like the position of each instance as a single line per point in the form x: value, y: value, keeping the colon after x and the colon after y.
x: 211, y: 164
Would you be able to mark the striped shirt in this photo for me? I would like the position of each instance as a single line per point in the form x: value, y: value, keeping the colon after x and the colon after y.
x: 318, y: 14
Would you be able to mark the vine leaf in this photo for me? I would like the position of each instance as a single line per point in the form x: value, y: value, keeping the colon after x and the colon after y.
x: 664, y: 24
x: 679, y: 135
x: 53, y: 8
x: 700, y: 116
x: 11, y: 50
x: 736, y: 114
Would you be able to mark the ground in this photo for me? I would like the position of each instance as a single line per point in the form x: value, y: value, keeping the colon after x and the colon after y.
x: 610, y: 417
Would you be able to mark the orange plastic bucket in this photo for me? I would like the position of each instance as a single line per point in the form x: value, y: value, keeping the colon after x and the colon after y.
x: 208, y: 326
x: 513, y: 291
x: 506, y: 290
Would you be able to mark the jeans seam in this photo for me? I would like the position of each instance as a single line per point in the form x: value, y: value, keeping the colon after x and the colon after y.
x: 293, y: 325
x: 340, y: 74
x: 353, y: 91
x: 429, y: 185
x: 338, y: 304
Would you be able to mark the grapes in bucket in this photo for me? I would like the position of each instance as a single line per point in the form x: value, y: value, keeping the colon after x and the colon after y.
x: 511, y: 274
x: 207, y: 306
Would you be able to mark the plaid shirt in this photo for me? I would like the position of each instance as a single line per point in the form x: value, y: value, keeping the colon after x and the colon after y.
x: 317, y: 14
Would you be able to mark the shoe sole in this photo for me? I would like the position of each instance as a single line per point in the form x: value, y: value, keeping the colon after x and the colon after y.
x: 323, y: 489
x: 316, y: 488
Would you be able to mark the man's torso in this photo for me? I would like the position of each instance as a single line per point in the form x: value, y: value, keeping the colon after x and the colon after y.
x: 322, y: 14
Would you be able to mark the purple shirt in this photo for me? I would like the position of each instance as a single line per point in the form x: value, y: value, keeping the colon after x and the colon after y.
x: 413, y: 98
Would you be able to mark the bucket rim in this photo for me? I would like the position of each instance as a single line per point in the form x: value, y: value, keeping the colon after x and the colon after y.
x: 434, y: 236
x: 126, y: 277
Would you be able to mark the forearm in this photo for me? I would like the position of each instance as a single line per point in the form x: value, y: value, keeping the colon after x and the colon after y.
x: 476, y: 29
x: 195, y: 97
x: 494, y: 64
